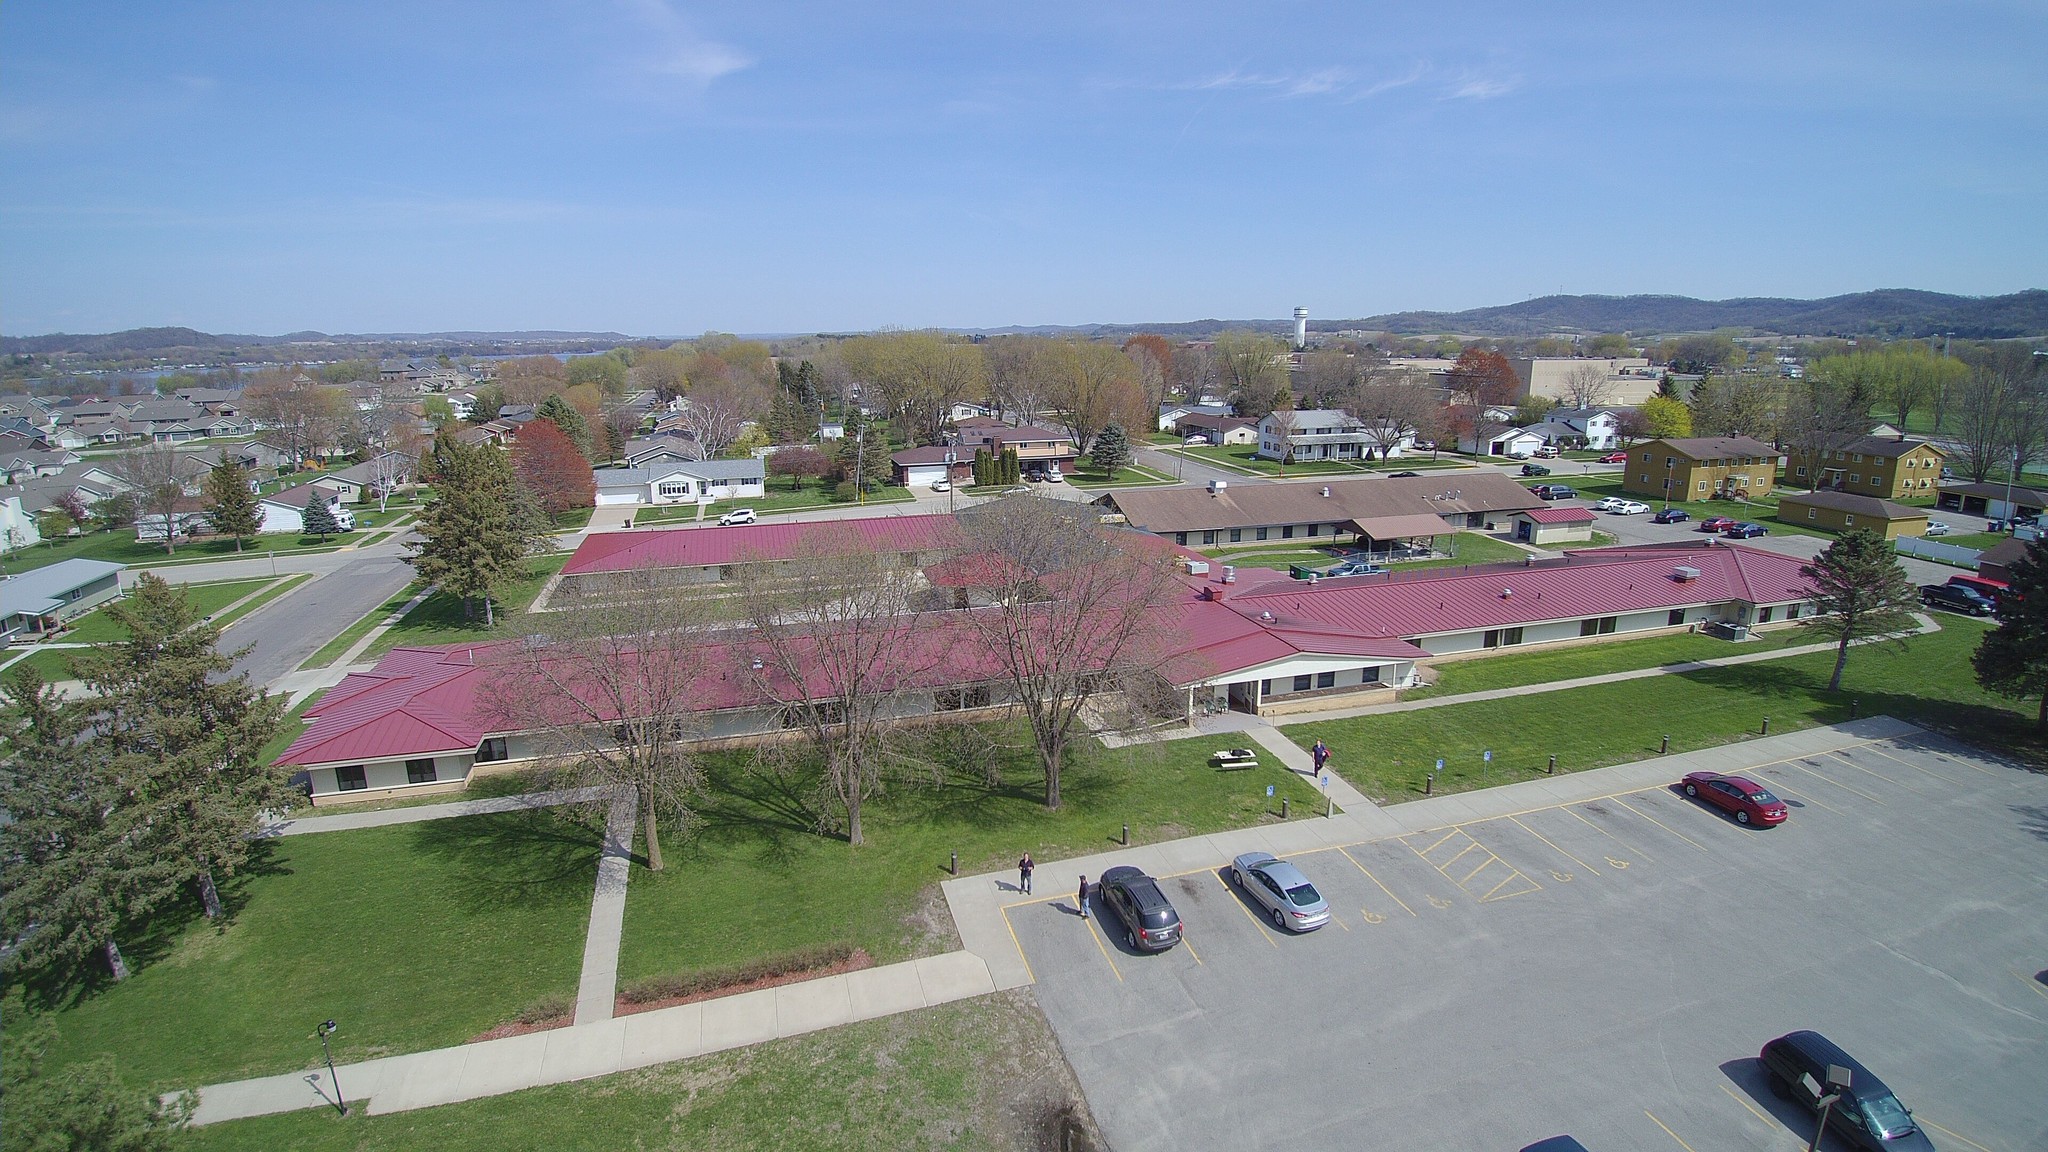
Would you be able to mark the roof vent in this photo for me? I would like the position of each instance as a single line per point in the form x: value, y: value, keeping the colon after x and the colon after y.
x: 1216, y: 486
x: 757, y: 663
x: 1507, y: 593
x: 1685, y: 573
x: 1266, y: 616
x: 1230, y: 573
x: 1326, y: 491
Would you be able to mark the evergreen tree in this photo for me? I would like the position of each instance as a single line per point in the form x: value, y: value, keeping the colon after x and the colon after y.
x: 2012, y: 659
x: 320, y: 519
x: 865, y: 459
x: 564, y: 415
x: 983, y: 465
x: 474, y: 534
x: 1112, y: 451
x: 1013, y: 468
x: 163, y: 701
x: 231, y: 505
x: 1861, y: 590
x: 788, y: 422
x: 83, y: 1106
x: 807, y: 386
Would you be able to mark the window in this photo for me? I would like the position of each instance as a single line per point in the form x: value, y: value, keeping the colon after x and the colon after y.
x: 1799, y: 471
x: 1598, y: 626
x: 1287, y: 532
x: 1514, y: 635
x: 1236, y: 535
x: 1671, y: 461
x: 672, y: 489
x: 1301, y: 683
x: 1791, y: 611
x: 1259, y: 535
x: 492, y: 749
x: 1589, y: 627
x: 1763, y: 615
x: 419, y: 771
x: 1677, y: 616
x: 954, y: 699
x: 1813, y: 513
x: 1855, y: 478
x: 1209, y: 537
x: 1856, y: 459
x: 1643, y: 479
x: 1492, y: 639
x: 1369, y: 675
x: 1703, y: 485
x: 1315, y: 529
x: 1848, y: 520
x: 1326, y: 679
x: 350, y: 779
x: 1265, y: 687
x: 1180, y: 538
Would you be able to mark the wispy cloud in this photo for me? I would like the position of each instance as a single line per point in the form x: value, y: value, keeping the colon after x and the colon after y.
x: 1318, y: 83
x: 1483, y: 88
x: 678, y: 50
x: 1351, y: 85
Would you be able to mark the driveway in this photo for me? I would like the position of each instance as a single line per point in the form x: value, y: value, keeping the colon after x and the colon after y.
x: 1606, y: 968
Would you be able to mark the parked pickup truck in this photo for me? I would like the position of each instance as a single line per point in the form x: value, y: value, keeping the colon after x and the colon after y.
x: 1956, y: 598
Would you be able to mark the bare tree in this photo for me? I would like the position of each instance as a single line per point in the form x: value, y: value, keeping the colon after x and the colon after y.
x: 389, y: 470
x: 1392, y: 411
x: 1586, y: 386
x: 1091, y: 387
x: 1823, y: 417
x: 609, y: 694
x: 1737, y: 406
x: 1330, y: 376
x: 1195, y: 373
x: 1283, y: 424
x: 835, y: 639
x: 918, y: 376
x: 1017, y: 369
x: 2026, y: 427
x: 1979, y: 407
x: 717, y: 410
x: 152, y: 474
x: 1152, y: 356
x: 1075, y: 614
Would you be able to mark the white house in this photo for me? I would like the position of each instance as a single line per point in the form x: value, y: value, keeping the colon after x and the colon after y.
x: 682, y: 481
x: 1520, y: 443
x: 1321, y: 434
x: 1600, y: 428
x: 1172, y: 414
x: 286, y: 511
x: 17, y: 525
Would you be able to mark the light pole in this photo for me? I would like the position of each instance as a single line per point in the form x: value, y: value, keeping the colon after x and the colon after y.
x: 951, y: 500
x: 2011, y: 472
x: 1838, y: 1079
x: 325, y: 1030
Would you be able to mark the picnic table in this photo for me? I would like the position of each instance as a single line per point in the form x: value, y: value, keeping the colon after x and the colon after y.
x: 1230, y: 758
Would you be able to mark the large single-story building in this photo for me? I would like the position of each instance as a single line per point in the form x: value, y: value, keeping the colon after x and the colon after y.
x: 1700, y: 468
x: 43, y: 599
x: 707, y: 555
x: 1368, y: 507
x: 1624, y: 380
x: 664, y: 481
x: 420, y: 720
x: 1847, y: 511
x: 1998, y: 501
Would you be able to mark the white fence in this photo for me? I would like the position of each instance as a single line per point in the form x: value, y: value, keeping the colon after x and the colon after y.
x: 1954, y: 554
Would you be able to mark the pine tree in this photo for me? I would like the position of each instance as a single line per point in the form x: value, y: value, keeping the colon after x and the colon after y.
x: 231, y: 505
x: 868, y: 455
x: 788, y: 422
x: 320, y: 519
x: 474, y: 535
x: 1112, y: 451
x: 807, y: 386
x: 983, y: 463
x: 84, y: 1105
x: 564, y: 415
x: 1861, y: 590
x: 1013, y: 468
x: 164, y: 701
x: 2012, y: 659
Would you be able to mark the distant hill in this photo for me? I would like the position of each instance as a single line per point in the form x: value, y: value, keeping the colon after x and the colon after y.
x: 171, y: 342
x: 1897, y: 312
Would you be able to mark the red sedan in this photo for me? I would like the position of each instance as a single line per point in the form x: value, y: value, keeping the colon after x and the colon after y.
x: 1717, y: 524
x: 1615, y: 458
x: 1746, y: 800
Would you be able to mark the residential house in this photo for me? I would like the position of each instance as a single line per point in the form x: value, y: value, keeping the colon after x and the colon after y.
x: 41, y: 600
x: 924, y: 467
x: 104, y: 430
x: 1701, y: 467
x: 364, y: 481
x: 1495, y: 439
x: 1889, y: 468
x: 1037, y: 448
x: 17, y: 466
x: 88, y: 481
x: 518, y: 413
x: 285, y: 511
x: 1598, y: 429
x: 18, y: 527
x: 1995, y: 562
x: 962, y: 410
x: 682, y: 481
x: 1378, y: 509
x: 1298, y: 435
x: 1219, y: 429
x: 187, y: 519
x: 1839, y: 511
x: 1170, y: 415
x: 658, y: 450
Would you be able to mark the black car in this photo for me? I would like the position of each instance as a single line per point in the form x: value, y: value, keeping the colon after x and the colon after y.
x: 1867, y: 1115
x: 1556, y: 1144
x: 1956, y: 598
x: 1535, y: 470
x: 1744, y: 531
x: 1150, y: 923
x: 1556, y: 492
x: 1671, y: 516
x: 1403, y: 475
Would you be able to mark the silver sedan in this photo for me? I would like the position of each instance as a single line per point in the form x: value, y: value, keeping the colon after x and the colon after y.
x: 1288, y: 898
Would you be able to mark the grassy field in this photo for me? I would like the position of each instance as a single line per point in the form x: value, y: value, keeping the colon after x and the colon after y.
x: 1926, y: 680
x: 122, y: 548
x: 1464, y: 548
x: 439, y: 618
x: 413, y: 937
x: 1129, y: 476
x: 980, y: 1074
x: 1981, y: 541
x: 98, y: 626
x: 760, y: 836
x: 1483, y: 674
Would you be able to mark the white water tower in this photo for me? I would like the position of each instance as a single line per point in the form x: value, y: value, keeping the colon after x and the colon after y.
x: 1301, y: 327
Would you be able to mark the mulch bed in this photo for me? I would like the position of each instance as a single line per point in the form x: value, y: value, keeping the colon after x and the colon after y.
x: 853, y: 961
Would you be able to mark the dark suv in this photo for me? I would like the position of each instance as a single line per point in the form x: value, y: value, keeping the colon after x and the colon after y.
x: 1150, y: 923
x: 1956, y: 598
x: 1867, y: 1115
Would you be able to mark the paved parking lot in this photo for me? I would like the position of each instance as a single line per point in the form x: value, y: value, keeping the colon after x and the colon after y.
x: 1606, y: 968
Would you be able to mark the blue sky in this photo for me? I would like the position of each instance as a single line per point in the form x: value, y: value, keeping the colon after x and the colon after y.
x: 662, y: 168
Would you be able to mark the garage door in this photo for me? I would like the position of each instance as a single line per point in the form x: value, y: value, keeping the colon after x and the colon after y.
x: 925, y: 476
x: 618, y: 498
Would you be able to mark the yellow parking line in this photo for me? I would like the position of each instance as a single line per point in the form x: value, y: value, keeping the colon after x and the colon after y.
x: 2031, y: 982
x: 1445, y: 867
x: 1610, y: 835
x: 1501, y: 885
x: 1835, y: 782
x: 1105, y: 950
x: 1660, y: 824
x: 1803, y: 798
x: 1376, y: 880
x: 1190, y: 946
x: 1738, y: 1098
x: 1920, y: 767
x: 1438, y: 844
x: 1019, y: 945
x: 1667, y: 1129
x: 1952, y: 1134
x: 1339, y: 922
x: 1248, y: 912
x: 1490, y: 858
x: 1867, y: 772
x: 1553, y: 847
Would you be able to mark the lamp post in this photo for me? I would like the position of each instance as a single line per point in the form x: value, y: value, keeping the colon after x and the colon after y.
x: 951, y: 504
x: 1838, y: 1079
x: 325, y: 1030
x: 2012, y: 471
x: 1669, y: 463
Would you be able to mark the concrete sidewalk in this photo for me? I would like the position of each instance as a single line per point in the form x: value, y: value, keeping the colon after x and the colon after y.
x: 979, y: 903
x: 598, y: 988
x: 560, y: 1055
x: 346, y: 821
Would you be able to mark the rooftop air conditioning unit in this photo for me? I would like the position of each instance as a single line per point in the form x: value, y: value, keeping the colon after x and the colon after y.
x: 1230, y: 573
x: 1198, y: 567
x: 1685, y: 573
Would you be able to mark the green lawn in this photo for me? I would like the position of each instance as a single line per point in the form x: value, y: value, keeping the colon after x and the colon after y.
x: 704, y: 910
x: 53, y: 664
x: 1485, y: 673
x: 1981, y: 541
x: 1129, y: 476
x: 98, y: 626
x: 413, y: 937
x: 122, y: 548
x: 1927, y: 681
x: 971, y: 1075
x: 1464, y: 548
x: 439, y: 618
x: 332, y: 650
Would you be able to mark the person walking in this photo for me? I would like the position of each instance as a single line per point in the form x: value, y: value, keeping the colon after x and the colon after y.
x: 1321, y: 755
x: 1082, y: 900
x: 1024, y: 868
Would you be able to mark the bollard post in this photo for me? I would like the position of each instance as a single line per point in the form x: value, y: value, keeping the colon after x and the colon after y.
x: 1552, y: 770
x: 1766, y: 729
x: 956, y: 864
x: 1283, y: 807
x: 1852, y: 708
x: 1665, y: 747
x: 1428, y: 783
x: 1329, y: 807
x: 1127, y: 835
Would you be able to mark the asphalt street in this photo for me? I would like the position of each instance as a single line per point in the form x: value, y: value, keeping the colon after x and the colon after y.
x: 1607, y: 969
x: 294, y: 626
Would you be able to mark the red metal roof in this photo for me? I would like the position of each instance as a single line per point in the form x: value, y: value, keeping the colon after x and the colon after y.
x: 1559, y: 515
x: 710, y: 545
